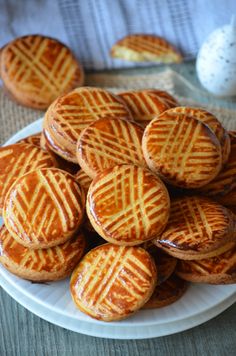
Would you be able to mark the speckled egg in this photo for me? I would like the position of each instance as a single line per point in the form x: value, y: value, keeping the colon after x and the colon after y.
x: 216, y: 61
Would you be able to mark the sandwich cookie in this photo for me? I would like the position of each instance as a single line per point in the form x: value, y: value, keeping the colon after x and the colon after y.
x: 209, y: 119
x: 40, y: 265
x: 216, y: 270
x: 167, y: 293
x: 198, y: 228
x: 107, y: 143
x: 128, y: 205
x: 182, y: 150
x: 36, y: 69
x: 112, y: 282
x: 18, y: 159
x: 145, y: 48
x: 70, y: 114
x: 44, y: 208
x: 145, y: 105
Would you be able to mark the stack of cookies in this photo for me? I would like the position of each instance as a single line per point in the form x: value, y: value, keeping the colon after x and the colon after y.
x: 146, y: 184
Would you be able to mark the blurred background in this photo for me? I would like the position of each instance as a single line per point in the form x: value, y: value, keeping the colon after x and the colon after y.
x: 91, y: 27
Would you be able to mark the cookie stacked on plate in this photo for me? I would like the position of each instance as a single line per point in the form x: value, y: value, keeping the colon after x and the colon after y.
x: 151, y: 196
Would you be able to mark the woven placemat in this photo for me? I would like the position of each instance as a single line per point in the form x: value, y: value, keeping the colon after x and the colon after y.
x: 14, y: 117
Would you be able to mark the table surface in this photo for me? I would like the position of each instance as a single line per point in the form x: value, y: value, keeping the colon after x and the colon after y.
x: 22, y: 333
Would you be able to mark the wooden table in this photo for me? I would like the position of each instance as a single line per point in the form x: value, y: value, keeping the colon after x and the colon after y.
x: 22, y: 333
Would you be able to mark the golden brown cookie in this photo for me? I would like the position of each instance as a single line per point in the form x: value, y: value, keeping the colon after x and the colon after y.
x: 66, y: 118
x: 44, y: 264
x: 83, y: 179
x: 145, y: 48
x: 33, y: 140
x: 182, y: 150
x: 44, y: 208
x: 36, y: 69
x: 109, y: 142
x: 210, y: 120
x: 145, y: 105
x: 18, y: 159
x: 197, y: 227
x: 112, y: 282
x: 167, y: 293
x: 128, y: 205
x: 216, y: 270
x: 226, y: 179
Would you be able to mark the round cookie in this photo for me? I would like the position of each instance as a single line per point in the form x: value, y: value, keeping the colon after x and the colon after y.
x: 226, y: 179
x: 40, y: 265
x: 210, y: 120
x: 83, y: 179
x: 182, y: 150
x: 70, y: 114
x: 145, y: 48
x: 18, y: 159
x: 197, y: 227
x: 112, y: 282
x: 216, y: 270
x: 107, y: 143
x: 147, y: 104
x: 36, y: 69
x: 167, y: 293
x: 44, y: 208
x: 33, y: 140
x: 128, y: 205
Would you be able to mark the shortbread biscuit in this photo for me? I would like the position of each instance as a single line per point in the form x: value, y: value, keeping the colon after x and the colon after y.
x: 40, y: 265
x: 214, y: 124
x: 167, y: 293
x: 128, y: 205
x: 18, y: 159
x: 109, y: 142
x: 146, y: 105
x: 44, y: 208
x: 145, y: 48
x: 36, y: 69
x: 226, y: 179
x: 215, y: 270
x: 112, y: 282
x: 182, y: 150
x: 33, y: 140
x: 70, y: 114
x: 197, y: 227
x: 83, y: 179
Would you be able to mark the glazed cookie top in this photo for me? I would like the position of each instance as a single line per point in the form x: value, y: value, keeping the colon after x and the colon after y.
x: 211, y: 120
x: 33, y: 140
x: 83, y: 179
x: 36, y: 69
x: 44, y: 208
x: 107, y: 143
x: 144, y: 48
x: 197, y: 224
x: 112, y: 282
x: 18, y: 159
x: 182, y: 150
x: 73, y: 112
x: 145, y: 105
x: 128, y: 205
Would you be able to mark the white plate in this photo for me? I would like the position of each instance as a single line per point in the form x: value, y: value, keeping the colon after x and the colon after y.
x: 52, y: 301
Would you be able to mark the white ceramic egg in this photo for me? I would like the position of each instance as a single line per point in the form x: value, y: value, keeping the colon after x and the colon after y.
x: 216, y: 61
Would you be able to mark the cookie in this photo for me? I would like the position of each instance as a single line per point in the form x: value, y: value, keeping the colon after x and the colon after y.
x: 33, y: 140
x: 210, y: 120
x: 145, y: 105
x: 44, y: 208
x: 167, y: 293
x: 226, y: 179
x: 18, y: 159
x: 107, y: 143
x: 40, y: 265
x: 182, y: 150
x: 197, y: 228
x: 145, y: 48
x: 112, y: 282
x: 70, y: 114
x: 216, y: 270
x: 83, y: 179
x: 36, y: 69
x: 127, y: 205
